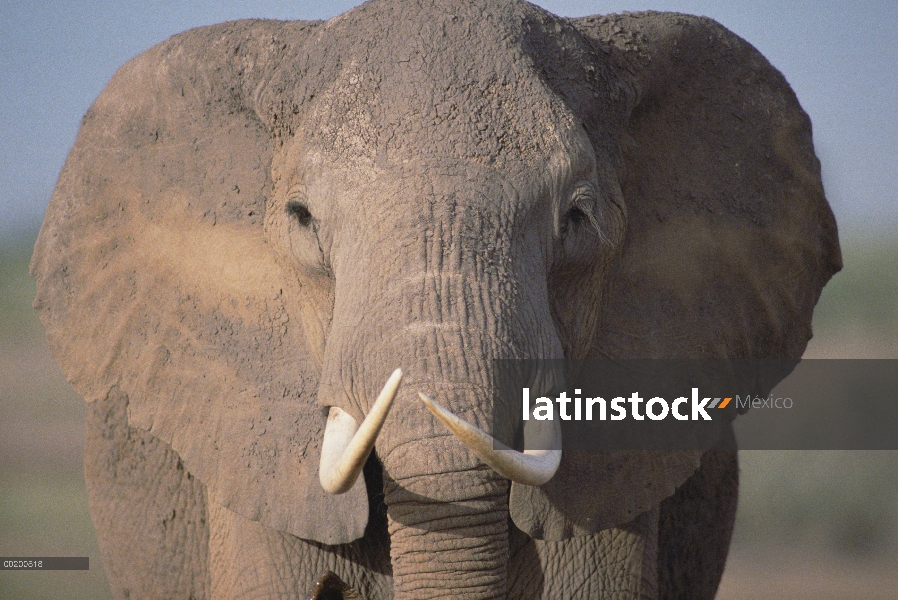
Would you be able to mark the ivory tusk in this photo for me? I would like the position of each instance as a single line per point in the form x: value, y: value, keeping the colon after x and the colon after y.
x: 532, y: 467
x: 347, y: 444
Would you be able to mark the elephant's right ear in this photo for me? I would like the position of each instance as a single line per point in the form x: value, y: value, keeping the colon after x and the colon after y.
x: 154, y: 278
x: 729, y: 240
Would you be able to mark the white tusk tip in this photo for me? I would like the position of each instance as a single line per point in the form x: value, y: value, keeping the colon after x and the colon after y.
x: 532, y: 467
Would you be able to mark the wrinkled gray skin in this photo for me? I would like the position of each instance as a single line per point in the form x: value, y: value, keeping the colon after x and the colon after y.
x: 260, y: 220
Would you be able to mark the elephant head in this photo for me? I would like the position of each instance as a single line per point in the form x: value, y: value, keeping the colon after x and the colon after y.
x: 260, y: 221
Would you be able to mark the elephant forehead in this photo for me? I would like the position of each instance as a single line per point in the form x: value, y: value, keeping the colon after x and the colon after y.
x: 428, y: 181
x: 449, y: 79
x: 427, y: 199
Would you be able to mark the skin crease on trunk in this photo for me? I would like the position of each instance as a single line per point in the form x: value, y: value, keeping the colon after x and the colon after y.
x: 260, y: 221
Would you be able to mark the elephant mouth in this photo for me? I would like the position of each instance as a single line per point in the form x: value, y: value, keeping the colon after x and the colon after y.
x: 347, y: 444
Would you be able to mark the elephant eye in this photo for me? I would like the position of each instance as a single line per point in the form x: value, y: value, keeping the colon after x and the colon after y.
x: 300, y: 212
x: 576, y: 216
x: 582, y: 214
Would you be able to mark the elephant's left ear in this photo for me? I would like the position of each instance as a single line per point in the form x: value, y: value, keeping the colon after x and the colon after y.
x: 156, y: 284
x: 729, y: 237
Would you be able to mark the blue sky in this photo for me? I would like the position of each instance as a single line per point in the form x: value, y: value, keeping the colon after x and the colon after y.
x: 840, y: 57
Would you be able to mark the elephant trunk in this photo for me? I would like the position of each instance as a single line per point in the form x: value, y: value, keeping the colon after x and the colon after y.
x: 445, y: 310
x: 448, y: 530
x: 447, y: 510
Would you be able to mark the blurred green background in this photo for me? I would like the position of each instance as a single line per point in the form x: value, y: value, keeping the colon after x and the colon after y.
x: 810, y: 524
x: 43, y: 502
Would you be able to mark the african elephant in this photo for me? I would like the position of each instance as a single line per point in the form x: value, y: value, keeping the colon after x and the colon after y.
x: 260, y: 221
